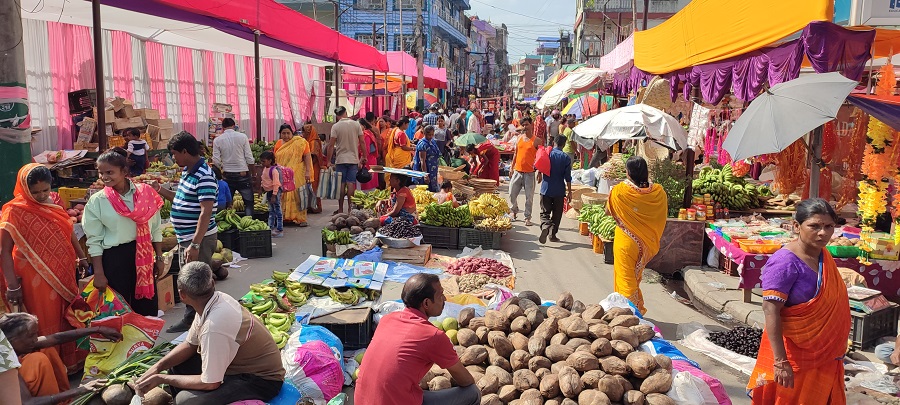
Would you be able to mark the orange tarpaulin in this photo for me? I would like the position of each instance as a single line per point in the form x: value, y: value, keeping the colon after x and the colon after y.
x: 707, y: 31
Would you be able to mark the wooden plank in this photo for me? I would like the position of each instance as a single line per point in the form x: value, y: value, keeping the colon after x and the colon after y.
x: 418, y: 255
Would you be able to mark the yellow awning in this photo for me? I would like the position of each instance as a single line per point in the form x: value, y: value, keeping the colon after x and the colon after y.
x: 707, y: 31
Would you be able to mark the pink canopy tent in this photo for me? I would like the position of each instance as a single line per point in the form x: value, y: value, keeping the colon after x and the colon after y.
x: 400, y: 64
x: 278, y: 22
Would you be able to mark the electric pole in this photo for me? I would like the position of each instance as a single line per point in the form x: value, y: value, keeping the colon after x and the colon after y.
x: 420, y: 55
x: 15, y: 130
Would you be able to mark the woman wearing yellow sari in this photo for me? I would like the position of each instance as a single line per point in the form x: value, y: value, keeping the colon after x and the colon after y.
x: 398, y: 152
x: 800, y: 359
x: 294, y: 154
x: 639, y: 209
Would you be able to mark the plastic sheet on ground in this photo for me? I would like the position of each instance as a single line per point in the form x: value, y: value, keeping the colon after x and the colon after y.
x: 400, y: 272
x: 497, y: 255
x: 698, y: 341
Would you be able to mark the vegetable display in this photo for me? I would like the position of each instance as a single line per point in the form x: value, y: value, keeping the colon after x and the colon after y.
x: 567, y: 353
x: 732, y: 191
x: 488, y: 206
x: 258, y: 147
x: 473, y: 282
x: 445, y: 215
x: 354, y: 223
x: 368, y: 200
x: 422, y: 195
x: 336, y: 237
x: 400, y: 229
x: 228, y: 219
x: 495, y: 224
x: 599, y: 223
x: 673, y: 179
x: 132, y: 368
x: 741, y: 340
x: 479, y: 265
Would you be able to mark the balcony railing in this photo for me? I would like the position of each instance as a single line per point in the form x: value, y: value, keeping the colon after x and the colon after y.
x: 623, y: 6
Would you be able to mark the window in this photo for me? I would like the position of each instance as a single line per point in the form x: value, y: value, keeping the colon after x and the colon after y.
x: 409, y: 40
x: 406, y: 4
x: 370, y: 4
x: 367, y: 39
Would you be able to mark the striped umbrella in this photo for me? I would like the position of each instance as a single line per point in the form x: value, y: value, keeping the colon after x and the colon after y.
x: 586, y: 105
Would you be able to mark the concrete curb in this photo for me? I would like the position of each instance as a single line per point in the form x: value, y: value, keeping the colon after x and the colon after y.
x: 705, y: 289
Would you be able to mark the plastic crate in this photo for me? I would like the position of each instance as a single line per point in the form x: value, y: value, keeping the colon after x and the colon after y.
x: 440, y: 237
x: 254, y: 244
x: 71, y: 193
x: 866, y: 329
x: 354, y: 327
x: 229, y: 239
x: 471, y: 237
x: 608, y: 252
x: 261, y: 216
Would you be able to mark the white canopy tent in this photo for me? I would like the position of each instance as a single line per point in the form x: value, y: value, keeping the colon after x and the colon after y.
x: 579, y: 80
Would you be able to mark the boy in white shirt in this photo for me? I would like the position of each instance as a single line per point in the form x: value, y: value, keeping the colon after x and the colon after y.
x: 137, y: 151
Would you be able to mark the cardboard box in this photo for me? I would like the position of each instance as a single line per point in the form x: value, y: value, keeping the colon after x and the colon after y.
x: 117, y: 103
x: 90, y: 147
x: 153, y: 131
x: 86, y: 130
x: 163, y: 123
x: 147, y: 113
x: 165, y: 293
x: 165, y: 134
x: 127, y: 111
x: 110, y: 115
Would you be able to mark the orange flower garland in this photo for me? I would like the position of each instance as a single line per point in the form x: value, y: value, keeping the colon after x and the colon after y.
x: 792, y: 172
x: 852, y: 161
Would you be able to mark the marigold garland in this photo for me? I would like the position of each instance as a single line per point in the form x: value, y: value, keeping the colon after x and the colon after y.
x: 880, y: 136
x: 740, y: 168
x: 792, y: 172
x: 876, y: 166
x: 852, y: 161
x: 872, y: 202
x: 886, y: 81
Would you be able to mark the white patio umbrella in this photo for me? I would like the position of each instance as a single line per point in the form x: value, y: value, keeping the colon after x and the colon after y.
x: 633, y: 122
x: 786, y: 112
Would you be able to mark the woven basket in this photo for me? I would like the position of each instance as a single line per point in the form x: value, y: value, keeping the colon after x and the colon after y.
x: 451, y: 175
x: 594, y: 198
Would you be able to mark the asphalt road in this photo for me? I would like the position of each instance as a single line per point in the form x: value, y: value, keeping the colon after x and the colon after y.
x: 549, y: 270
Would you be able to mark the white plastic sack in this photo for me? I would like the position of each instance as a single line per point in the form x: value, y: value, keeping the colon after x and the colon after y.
x: 384, y: 308
x: 698, y: 342
x: 690, y: 390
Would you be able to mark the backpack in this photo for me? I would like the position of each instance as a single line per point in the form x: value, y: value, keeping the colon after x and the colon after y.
x: 287, y: 178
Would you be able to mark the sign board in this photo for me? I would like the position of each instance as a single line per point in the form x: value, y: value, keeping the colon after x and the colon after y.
x: 875, y: 12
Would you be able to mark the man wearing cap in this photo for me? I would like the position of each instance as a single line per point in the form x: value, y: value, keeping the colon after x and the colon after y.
x: 553, y: 123
x: 431, y: 117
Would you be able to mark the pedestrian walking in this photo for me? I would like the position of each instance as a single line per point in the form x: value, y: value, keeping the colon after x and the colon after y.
x: 193, y: 203
x: 346, y: 145
x: 440, y: 136
x: 569, y: 132
x: 430, y: 118
x: 556, y: 187
x: 271, y: 183
x: 122, y: 226
x: 475, y: 125
x: 371, y: 152
x: 522, y: 178
x: 292, y: 152
x: 231, y: 152
x: 639, y: 208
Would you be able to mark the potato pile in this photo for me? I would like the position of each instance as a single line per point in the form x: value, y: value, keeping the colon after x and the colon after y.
x: 568, y: 353
x: 844, y: 241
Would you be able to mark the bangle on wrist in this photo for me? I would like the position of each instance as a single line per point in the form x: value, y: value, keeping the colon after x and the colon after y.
x: 14, y: 289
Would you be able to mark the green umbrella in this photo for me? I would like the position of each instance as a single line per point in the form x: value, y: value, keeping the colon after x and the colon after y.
x: 470, y: 138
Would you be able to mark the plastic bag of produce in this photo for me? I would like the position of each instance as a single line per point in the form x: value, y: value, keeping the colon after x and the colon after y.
x: 139, y: 333
x: 312, y: 367
x: 690, y: 390
x: 93, y: 304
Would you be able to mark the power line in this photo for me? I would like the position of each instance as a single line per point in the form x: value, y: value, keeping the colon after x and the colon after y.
x: 523, y: 15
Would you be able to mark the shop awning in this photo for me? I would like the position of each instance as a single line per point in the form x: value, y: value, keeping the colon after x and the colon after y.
x: 275, y: 21
x: 885, y: 109
x: 621, y: 57
x: 171, y: 26
x: 707, y: 31
x: 576, y: 82
x: 402, y: 64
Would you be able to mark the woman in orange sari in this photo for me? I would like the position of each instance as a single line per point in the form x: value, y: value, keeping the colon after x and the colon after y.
x: 639, y: 208
x: 317, y: 156
x: 39, y: 255
x: 807, y: 311
x: 398, y: 152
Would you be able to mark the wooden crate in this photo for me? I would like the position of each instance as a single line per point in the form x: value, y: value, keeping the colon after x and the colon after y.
x: 418, y: 255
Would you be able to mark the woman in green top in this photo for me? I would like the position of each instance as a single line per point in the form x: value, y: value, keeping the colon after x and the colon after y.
x: 570, y: 147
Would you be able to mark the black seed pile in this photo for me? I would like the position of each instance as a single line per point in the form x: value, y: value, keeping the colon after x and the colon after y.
x: 741, y: 340
x: 400, y: 229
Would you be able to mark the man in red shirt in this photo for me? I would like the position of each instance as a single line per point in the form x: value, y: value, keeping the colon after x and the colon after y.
x: 404, y: 348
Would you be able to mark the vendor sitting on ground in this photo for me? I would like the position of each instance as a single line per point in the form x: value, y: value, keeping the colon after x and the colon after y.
x: 446, y: 194
x: 888, y: 353
x: 42, y: 376
x: 405, y: 347
x: 402, y: 203
x: 228, y: 354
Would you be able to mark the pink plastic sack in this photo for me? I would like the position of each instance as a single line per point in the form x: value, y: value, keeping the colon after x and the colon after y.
x: 714, y: 384
x: 542, y: 160
x: 313, y: 368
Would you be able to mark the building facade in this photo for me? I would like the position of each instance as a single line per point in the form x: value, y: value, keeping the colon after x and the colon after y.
x: 391, y: 25
x: 523, y: 75
x: 600, y: 25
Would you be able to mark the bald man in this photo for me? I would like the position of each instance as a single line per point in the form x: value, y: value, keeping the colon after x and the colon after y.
x: 405, y: 347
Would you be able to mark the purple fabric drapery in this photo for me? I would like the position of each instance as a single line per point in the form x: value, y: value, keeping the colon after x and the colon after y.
x: 828, y: 47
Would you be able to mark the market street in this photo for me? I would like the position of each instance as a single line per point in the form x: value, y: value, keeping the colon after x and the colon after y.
x: 548, y: 270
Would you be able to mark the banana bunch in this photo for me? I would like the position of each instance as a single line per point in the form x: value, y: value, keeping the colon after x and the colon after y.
x: 259, y: 203
x: 435, y: 214
x: 260, y: 305
x: 237, y: 203
x: 422, y: 195
x: 227, y: 219
x: 729, y: 189
x: 250, y: 224
x: 319, y: 291
x: 278, y: 325
x: 168, y: 230
x: 605, y: 228
x: 488, y: 206
x: 280, y: 277
x: 350, y: 297
x: 296, y: 293
x: 495, y: 224
x: 369, y: 199
x: 166, y: 210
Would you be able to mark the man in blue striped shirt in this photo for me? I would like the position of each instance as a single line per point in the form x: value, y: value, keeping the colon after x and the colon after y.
x: 193, y: 204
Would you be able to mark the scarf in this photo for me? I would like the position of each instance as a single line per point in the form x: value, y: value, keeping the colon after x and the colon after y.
x: 146, y: 203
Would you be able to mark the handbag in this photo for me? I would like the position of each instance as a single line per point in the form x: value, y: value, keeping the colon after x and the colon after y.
x: 307, y: 198
x: 364, y: 175
x: 330, y: 184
